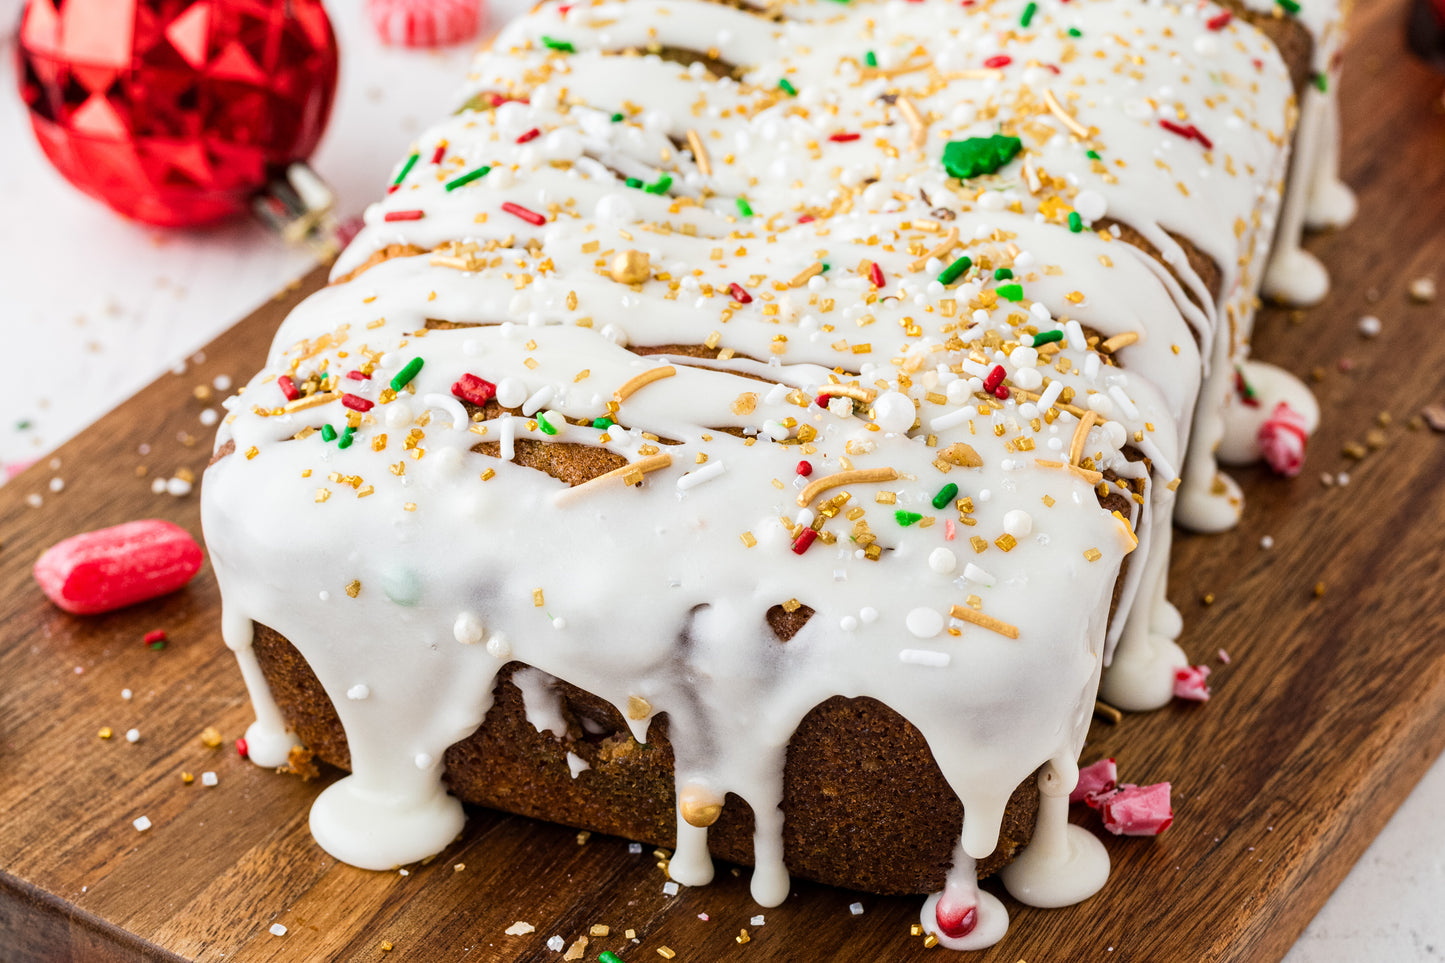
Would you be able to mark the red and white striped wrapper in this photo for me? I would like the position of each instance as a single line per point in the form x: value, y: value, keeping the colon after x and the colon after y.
x: 1282, y: 440
x: 425, y: 23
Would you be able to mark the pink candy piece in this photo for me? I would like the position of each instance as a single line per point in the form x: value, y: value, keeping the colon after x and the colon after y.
x: 1137, y: 810
x: 1282, y: 440
x: 114, y: 567
x: 425, y: 23
x: 1095, y: 780
x: 1189, y: 683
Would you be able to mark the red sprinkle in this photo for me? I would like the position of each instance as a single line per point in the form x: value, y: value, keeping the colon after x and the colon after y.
x: 532, y: 134
x: 1001, y: 392
x: 740, y: 295
x: 358, y: 375
x: 1219, y: 21
x: 404, y: 215
x: 1053, y: 68
x: 439, y: 153
x: 1187, y: 131
x: 531, y: 217
x: 806, y: 219
x: 875, y: 274
x: 843, y: 138
x: 804, y: 539
x: 998, y: 61
x: 155, y: 635
x: 114, y: 567
x: 288, y: 387
x: 478, y: 391
x: 805, y: 468
x: 393, y: 188
x: 243, y: 750
x: 994, y: 378
x: 356, y: 402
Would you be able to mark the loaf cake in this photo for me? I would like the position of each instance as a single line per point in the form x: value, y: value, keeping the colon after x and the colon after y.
x: 755, y: 430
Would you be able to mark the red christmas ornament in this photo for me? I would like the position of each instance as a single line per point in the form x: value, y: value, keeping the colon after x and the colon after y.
x: 176, y: 112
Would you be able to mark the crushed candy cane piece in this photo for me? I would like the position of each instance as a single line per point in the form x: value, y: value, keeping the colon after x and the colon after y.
x: 1189, y: 683
x: 1137, y: 810
x: 1095, y: 780
x: 114, y: 567
x: 425, y: 23
x: 1282, y: 440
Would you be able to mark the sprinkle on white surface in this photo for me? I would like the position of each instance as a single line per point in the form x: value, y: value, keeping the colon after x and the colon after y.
x: 358, y: 692
x: 926, y: 657
x: 142, y: 824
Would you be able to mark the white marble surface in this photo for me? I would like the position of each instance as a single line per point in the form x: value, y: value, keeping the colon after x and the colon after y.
x: 94, y: 308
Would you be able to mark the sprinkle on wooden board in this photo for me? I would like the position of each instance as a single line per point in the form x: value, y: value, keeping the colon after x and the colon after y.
x: 640, y: 467
x: 965, y: 614
x: 634, y: 384
x: 1065, y: 118
x: 850, y: 477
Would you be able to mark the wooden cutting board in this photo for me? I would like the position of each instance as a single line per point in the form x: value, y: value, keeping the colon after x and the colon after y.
x: 1328, y: 711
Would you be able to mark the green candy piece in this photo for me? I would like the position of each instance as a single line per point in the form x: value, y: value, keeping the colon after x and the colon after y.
x: 979, y: 155
x: 906, y: 518
x: 1011, y: 292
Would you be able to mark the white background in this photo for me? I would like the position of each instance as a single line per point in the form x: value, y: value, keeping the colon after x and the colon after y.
x: 92, y: 308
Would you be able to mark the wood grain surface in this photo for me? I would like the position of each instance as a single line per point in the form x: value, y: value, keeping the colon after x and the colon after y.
x: 1327, y: 713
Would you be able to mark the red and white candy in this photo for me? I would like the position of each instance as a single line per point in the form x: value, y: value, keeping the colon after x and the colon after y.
x: 1095, y: 780
x: 1282, y: 440
x: 1137, y: 810
x: 1189, y: 683
x: 425, y: 23
x: 114, y: 567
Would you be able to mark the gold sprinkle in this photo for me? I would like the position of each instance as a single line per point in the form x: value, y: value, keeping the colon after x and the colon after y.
x: 385, y: 946
x: 980, y: 545
x: 1081, y: 436
x: 1319, y: 589
x: 577, y: 950
x: 931, y: 940
x: 599, y: 929
x: 353, y: 588
x: 252, y: 452
x: 805, y: 275
x: 538, y: 600
x: 632, y: 385
x: 742, y: 936
x: 856, y: 475
x: 105, y: 732
x: 630, y: 474
x: 322, y: 494
x: 916, y: 123
x: 1107, y: 712
x: 965, y: 614
x: 666, y: 952
x: 1065, y: 118
x: 699, y: 153
x: 638, y: 708
x: 748, y: 539
x: 886, y: 498
x: 1006, y: 542
x: 630, y: 267
x: 1119, y: 341
x: 489, y: 474
x: 1093, y: 554
x: 311, y: 401
x: 571, y: 300
x: 187, y: 778
x: 211, y: 737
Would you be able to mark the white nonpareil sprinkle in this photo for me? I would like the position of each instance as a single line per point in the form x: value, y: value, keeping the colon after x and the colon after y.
x: 278, y: 929
x: 209, y: 779
x: 132, y: 735
x: 928, y: 657
x: 1369, y: 326
x: 521, y: 928
x: 924, y: 623
x: 942, y: 561
x: 468, y: 629
x: 142, y: 824
x: 856, y: 909
x: 670, y: 888
x: 358, y: 692
x: 178, y: 487
x: 1018, y: 523
x: 125, y: 694
x: 1267, y: 542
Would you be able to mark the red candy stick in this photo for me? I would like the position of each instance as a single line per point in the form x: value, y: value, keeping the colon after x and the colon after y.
x: 403, y: 215
x: 115, y: 567
x: 739, y: 293
x: 478, y: 391
x: 804, y: 539
x: 356, y: 402
x: 1219, y: 21
x: 998, y: 61
x: 994, y: 378
x: 875, y: 274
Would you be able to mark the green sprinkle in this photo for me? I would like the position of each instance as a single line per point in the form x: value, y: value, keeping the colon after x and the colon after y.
x: 346, y: 434
x: 1011, y: 292
x: 663, y: 183
x: 158, y: 644
x: 618, y: 117
x: 906, y: 518
x: 406, y: 168
x: 1322, y: 82
x: 744, y: 208
x: 328, y: 433
x: 826, y: 265
x: 1076, y: 223
x: 1002, y: 274
x: 955, y: 270
x: 787, y: 87
x: 979, y: 155
x: 633, y: 182
x: 945, y: 495
x: 1075, y: 32
x: 1028, y: 15
x: 602, y: 424
x: 561, y: 46
x: 404, y: 376
x: 468, y: 177
x: 1290, y: 6
x: 607, y: 956
x: 1045, y: 337
x: 545, y: 425
x: 871, y: 59
x: 1092, y: 155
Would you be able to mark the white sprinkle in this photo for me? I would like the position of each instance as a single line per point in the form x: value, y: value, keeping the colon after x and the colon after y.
x: 209, y: 779
x: 125, y: 693
x: 856, y: 909
x: 1050, y: 395
x: 704, y: 474
x: 522, y: 928
x: 511, y: 392
x: 1075, y: 333
x: 577, y: 764
x: 926, y: 657
x: 977, y: 575
x: 277, y: 929
x: 358, y: 692
x: 209, y: 417
x: 1091, y: 366
x: 847, y: 623
x: 942, y: 561
x: 423, y: 760
x: 451, y: 406
x: 868, y: 614
x: 558, y: 622
x: 57, y: 484
x: 468, y: 629
x: 158, y: 486
x: 1091, y: 205
x: 556, y: 943
x: 398, y: 415
x: 756, y: 920
x: 893, y: 411
x: 952, y: 419
x: 1125, y: 403
x: 540, y: 397
x: 499, y: 647
x: 178, y: 487
x: 1369, y: 326
x: 670, y: 888
x: 324, y: 595
x: 924, y: 623
x: 1018, y: 523
x: 222, y: 383
x: 132, y: 735
x: 142, y: 824
x: 634, y: 848
x: 1267, y: 542
x: 775, y: 430
x: 508, y: 429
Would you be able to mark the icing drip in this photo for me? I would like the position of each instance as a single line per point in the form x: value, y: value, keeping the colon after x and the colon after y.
x: 973, y: 373
x: 963, y: 916
x: 1063, y: 864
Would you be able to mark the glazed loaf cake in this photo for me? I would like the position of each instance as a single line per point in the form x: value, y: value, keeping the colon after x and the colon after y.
x: 755, y: 430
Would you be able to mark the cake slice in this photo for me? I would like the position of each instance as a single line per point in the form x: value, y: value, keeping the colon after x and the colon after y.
x: 733, y: 416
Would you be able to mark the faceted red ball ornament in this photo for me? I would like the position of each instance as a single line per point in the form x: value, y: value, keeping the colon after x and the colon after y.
x: 175, y: 112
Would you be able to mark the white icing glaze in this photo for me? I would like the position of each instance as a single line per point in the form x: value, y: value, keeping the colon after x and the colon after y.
x: 1063, y: 864
x: 391, y: 560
